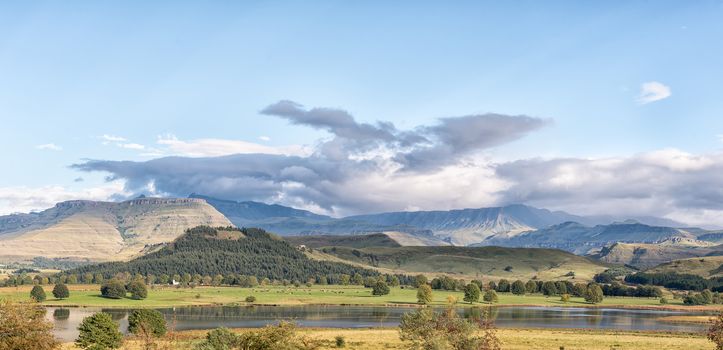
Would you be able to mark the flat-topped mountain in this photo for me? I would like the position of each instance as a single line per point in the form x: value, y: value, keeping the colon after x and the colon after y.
x: 647, y: 255
x: 102, y: 230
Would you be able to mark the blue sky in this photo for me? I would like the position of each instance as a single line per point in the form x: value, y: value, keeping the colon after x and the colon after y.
x: 71, y: 73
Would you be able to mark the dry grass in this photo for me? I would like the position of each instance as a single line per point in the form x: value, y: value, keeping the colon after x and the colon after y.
x: 512, y: 339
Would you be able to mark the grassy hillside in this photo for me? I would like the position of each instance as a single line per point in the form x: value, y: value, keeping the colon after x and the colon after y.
x: 353, y: 241
x: 708, y: 266
x: 208, y: 251
x: 472, y: 262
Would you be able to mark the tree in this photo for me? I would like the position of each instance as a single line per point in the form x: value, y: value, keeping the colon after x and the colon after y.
x: 394, y: 281
x: 471, y: 293
x: 138, y: 290
x: 593, y: 294
x: 38, y: 294
x: 380, y: 288
x: 419, y: 280
x: 579, y: 289
x: 99, y: 332
x: 715, y: 332
x: 518, y: 288
x: 344, y: 279
x: 424, y: 294
x: 60, y: 291
x: 357, y: 279
x: 113, y: 289
x: 146, y: 321
x: 531, y: 287
x: 490, y: 296
x: 23, y: 326
x: 503, y: 285
x: 549, y: 288
x: 565, y: 298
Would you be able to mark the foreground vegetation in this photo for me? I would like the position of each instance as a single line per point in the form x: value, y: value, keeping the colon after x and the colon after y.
x: 511, y: 339
x: 90, y: 295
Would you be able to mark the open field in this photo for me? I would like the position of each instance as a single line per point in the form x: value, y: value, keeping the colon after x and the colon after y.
x: 89, y: 295
x: 517, y: 339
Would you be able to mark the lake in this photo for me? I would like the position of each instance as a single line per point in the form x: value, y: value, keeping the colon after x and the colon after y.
x: 66, y: 320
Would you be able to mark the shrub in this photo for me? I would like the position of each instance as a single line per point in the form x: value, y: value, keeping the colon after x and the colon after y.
x: 565, y: 298
x: 38, y: 294
x: 663, y: 301
x: 250, y: 299
x: 113, y: 289
x: 426, y: 329
x: 340, y: 341
x: 23, y: 326
x: 715, y: 332
x: 219, y: 339
x: 380, y: 288
x: 60, y: 291
x: 424, y: 294
x: 146, y: 321
x: 138, y: 290
x: 99, y: 332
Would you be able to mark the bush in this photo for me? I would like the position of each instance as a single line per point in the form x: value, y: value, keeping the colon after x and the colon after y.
x: 426, y: 329
x: 23, y: 326
x: 138, y: 290
x: 340, y: 341
x: 424, y: 294
x: 38, y: 294
x: 380, y: 288
x: 146, y: 321
x: 663, y: 301
x: 250, y: 299
x: 219, y: 339
x: 60, y: 291
x: 565, y: 298
x: 99, y: 332
x: 715, y: 332
x: 490, y: 296
x: 113, y: 289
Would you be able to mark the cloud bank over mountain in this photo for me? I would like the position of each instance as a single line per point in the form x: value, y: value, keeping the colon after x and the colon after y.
x: 376, y: 167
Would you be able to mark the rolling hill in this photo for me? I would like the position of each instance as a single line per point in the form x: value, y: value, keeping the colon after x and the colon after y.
x: 706, y: 267
x: 100, y: 231
x: 378, y: 251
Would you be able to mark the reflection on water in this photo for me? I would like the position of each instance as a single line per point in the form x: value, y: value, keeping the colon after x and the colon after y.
x: 66, y: 320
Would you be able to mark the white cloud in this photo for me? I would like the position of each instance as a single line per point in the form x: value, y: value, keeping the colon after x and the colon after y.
x: 221, y: 147
x: 132, y: 146
x: 113, y: 138
x: 49, y: 147
x: 24, y: 199
x: 264, y: 138
x: 653, y: 91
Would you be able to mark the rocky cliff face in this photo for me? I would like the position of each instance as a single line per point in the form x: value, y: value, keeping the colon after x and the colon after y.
x: 102, y: 231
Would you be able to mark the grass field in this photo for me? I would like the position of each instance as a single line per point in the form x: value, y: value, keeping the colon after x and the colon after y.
x: 89, y: 295
x: 530, y: 339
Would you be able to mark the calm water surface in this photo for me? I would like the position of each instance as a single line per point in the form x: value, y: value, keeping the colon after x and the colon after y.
x: 66, y: 320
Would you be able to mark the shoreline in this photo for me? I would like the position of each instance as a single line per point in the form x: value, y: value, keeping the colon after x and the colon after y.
x: 697, y: 308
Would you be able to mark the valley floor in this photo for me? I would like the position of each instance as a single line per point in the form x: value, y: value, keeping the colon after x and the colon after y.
x: 517, y: 339
x: 89, y: 296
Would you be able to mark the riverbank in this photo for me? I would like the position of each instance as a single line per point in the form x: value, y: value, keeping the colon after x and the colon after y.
x: 512, y: 339
x: 166, y: 296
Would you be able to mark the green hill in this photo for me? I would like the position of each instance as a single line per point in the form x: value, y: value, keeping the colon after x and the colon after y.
x: 469, y: 262
x: 208, y: 251
x: 706, y: 267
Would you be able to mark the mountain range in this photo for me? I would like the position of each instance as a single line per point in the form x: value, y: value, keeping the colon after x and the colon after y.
x: 100, y: 231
